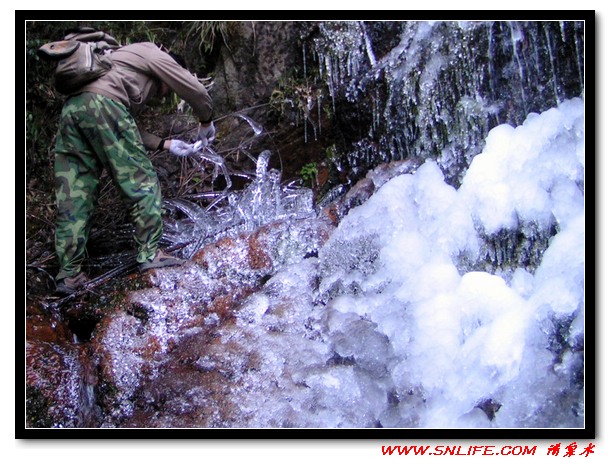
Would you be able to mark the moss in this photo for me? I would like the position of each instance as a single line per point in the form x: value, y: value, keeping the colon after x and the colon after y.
x: 36, y: 409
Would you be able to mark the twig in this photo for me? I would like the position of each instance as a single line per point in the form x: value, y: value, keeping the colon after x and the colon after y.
x: 127, y: 267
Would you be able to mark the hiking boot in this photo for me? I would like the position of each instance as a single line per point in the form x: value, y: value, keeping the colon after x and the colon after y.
x: 69, y: 285
x: 161, y: 260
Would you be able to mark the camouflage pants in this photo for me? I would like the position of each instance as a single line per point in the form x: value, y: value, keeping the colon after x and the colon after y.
x: 96, y: 132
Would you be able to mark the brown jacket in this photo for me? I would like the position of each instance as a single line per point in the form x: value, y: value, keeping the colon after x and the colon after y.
x: 135, y: 78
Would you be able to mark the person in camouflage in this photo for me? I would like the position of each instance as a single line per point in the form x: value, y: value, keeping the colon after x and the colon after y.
x: 97, y: 131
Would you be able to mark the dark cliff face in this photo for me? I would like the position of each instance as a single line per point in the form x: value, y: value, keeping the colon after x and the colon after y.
x: 439, y: 91
x: 255, y: 57
x: 381, y: 91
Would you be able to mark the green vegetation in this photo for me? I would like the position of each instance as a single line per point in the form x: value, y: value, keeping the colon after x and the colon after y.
x: 297, y: 99
x: 207, y: 33
x: 309, y: 173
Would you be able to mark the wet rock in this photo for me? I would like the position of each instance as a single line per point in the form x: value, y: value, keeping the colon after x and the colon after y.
x: 490, y: 407
x: 258, y: 254
x: 370, y: 352
x: 126, y: 353
x: 169, y: 328
x: 194, y: 388
x: 43, y: 325
x: 56, y: 378
x: 53, y: 384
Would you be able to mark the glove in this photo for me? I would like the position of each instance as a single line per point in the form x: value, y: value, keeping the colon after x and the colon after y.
x: 180, y: 148
x: 206, y: 133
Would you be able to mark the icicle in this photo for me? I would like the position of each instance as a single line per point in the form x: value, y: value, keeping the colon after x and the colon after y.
x: 490, y: 41
x: 210, y: 155
x: 376, y: 115
x: 191, y: 210
x: 257, y: 128
x: 276, y: 193
x: 261, y: 164
x: 368, y: 45
x: 320, y: 113
x: 321, y: 62
x: 331, y: 86
x: 304, y: 61
x: 517, y: 36
x: 550, y: 48
x: 578, y: 60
